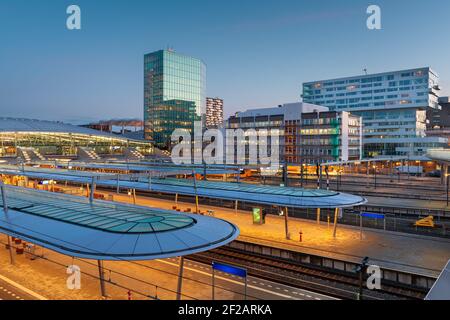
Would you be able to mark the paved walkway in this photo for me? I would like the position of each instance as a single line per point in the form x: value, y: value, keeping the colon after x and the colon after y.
x: 400, y: 251
x: 415, y: 253
x: 407, y: 203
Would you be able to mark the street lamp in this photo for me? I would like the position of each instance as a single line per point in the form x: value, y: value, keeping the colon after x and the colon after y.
x: 375, y: 175
x: 339, y: 178
x: 446, y: 186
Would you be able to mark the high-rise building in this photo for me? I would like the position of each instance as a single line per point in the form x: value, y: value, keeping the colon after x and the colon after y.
x: 393, y: 106
x: 309, y: 134
x: 174, y: 94
x: 440, y: 118
x: 214, y: 112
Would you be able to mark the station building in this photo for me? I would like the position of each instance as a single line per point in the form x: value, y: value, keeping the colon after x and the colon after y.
x: 51, y: 138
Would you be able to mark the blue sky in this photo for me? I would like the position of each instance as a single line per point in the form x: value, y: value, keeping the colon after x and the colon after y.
x: 257, y: 52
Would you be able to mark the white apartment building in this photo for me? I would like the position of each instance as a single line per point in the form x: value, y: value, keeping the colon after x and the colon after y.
x: 393, y: 106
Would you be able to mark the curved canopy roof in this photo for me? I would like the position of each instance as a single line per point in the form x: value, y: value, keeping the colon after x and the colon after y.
x: 36, y: 126
x: 261, y: 194
x: 108, y: 231
x: 439, y: 154
x: 272, y: 195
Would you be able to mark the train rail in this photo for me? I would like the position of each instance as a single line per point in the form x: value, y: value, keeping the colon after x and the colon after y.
x: 343, y: 285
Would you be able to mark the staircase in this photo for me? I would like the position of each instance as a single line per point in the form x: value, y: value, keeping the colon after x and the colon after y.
x: 29, y: 154
x: 85, y: 153
x: 133, y: 154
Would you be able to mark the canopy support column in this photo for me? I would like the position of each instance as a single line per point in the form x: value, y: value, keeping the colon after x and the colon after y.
x: 101, y: 275
x: 195, y: 189
x: 318, y: 215
x: 5, y: 209
x: 361, y: 226
x: 336, y: 211
x: 91, y: 194
x: 236, y: 206
x: 180, y: 278
x: 176, y: 199
x: 196, y: 204
x: 286, y: 225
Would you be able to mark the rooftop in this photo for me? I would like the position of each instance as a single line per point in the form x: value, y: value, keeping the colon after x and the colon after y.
x: 259, y: 194
x: 428, y: 69
x: 31, y: 125
x: 106, y: 230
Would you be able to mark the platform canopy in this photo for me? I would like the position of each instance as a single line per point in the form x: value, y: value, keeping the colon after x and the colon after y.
x: 258, y: 194
x: 83, y: 176
x: 105, y: 230
x: 442, y: 155
x: 441, y: 288
x: 142, y: 166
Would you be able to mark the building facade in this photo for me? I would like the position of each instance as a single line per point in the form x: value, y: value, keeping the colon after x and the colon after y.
x: 214, y: 112
x: 60, y: 139
x: 309, y: 134
x: 174, y: 94
x: 438, y: 123
x: 393, y: 106
x: 439, y: 118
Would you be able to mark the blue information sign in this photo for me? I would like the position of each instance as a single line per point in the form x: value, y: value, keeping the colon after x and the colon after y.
x: 373, y: 215
x: 239, y: 272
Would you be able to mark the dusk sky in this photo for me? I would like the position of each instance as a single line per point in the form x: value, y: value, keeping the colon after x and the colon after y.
x: 258, y: 53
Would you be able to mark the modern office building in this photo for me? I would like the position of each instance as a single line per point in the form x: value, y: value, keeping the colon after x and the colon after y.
x: 174, y: 94
x: 309, y: 134
x: 393, y: 106
x: 214, y: 112
x: 439, y: 118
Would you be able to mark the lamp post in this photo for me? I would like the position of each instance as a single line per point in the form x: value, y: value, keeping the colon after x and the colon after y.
x: 301, y: 173
x: 446, y: 186
x: 375, y: 175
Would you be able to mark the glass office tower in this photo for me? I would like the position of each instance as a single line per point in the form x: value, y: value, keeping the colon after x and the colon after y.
x: 174, y: 94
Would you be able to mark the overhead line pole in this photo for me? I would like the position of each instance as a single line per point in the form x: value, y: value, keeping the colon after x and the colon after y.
x: 5, y: 210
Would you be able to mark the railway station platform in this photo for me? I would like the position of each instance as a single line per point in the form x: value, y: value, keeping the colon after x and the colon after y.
x: 400, y: 251
x: 404, y: 252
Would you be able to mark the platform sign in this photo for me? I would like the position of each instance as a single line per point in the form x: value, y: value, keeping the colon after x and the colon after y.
x: 373, y: 215
x: 226, y: 268
x: 258, y: 216
x: 239, y: 272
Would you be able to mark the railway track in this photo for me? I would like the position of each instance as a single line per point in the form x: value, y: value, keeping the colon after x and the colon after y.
x: 342, y: 285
